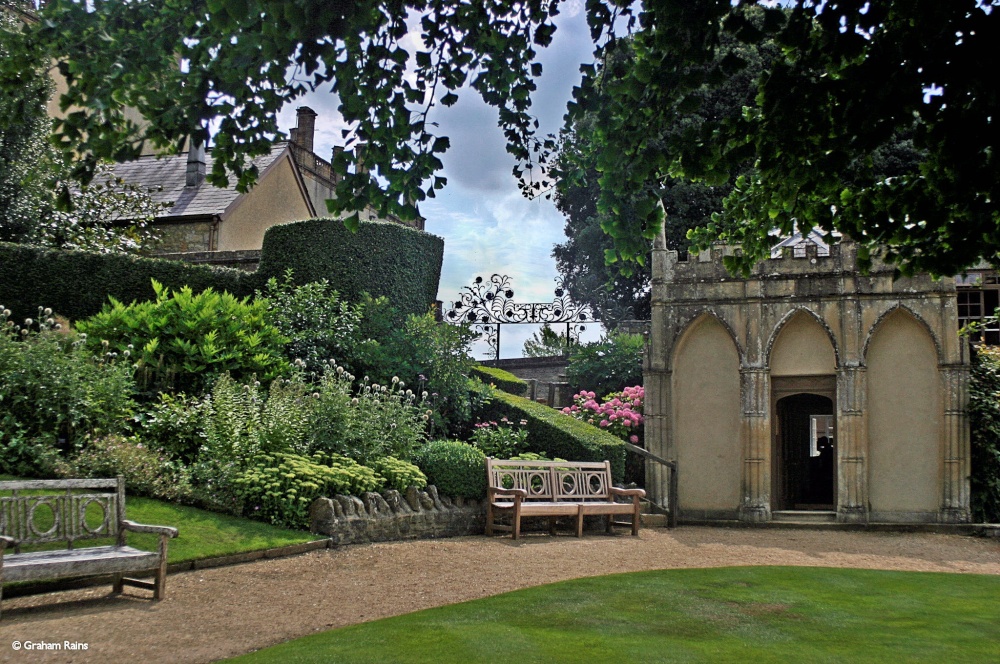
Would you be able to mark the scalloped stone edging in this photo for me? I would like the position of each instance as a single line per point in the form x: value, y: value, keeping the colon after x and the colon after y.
x: 383, y: 517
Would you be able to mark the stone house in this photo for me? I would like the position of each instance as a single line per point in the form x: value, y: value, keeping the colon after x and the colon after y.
x: 806, y: 390
x: 205, y: 223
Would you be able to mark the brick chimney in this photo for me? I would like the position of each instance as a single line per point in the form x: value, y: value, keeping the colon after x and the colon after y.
x: 195, y: 173
x: 305, y: 127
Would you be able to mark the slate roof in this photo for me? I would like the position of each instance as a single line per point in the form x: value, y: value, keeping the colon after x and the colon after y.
x: 798, y: 243
x: 165, y: 177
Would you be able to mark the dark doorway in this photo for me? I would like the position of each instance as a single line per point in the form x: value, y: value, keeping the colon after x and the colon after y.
x: 805, y: 453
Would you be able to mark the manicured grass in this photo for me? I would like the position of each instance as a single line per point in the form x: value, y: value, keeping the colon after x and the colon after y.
x: 201, y: 534
x: 739, y: 614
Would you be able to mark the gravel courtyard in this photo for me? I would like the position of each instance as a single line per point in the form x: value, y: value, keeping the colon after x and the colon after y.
x: 219, y: 612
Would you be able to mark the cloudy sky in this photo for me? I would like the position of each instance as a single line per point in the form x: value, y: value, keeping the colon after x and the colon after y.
x: 487, y: 225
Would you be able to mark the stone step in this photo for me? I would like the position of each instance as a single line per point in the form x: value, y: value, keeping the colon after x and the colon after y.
x: 804, y: 516
x: 653, y: 520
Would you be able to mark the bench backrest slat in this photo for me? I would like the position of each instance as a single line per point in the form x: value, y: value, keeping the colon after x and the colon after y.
x: 552, y: 480
x: 39, y: 518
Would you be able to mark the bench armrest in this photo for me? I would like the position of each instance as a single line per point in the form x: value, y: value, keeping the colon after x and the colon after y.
x: 628, y: 492
x: 6, y: 541
x: 495, y: 491
x: 142, y: 528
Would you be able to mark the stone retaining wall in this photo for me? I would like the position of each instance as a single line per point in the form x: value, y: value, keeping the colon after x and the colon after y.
x: 374, y: 517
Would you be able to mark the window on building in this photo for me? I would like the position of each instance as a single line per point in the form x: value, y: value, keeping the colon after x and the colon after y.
x: 978, y: 300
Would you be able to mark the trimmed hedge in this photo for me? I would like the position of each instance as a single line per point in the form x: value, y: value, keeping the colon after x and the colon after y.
x: 76, y: 284
x: 454, y: 467
x: 500, y: 379
x: 558, y: 435
x: 382, y: 258
x: 399, y: 262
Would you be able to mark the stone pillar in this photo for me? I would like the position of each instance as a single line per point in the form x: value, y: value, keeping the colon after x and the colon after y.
x: 755, y: 418
x: 657, y: 435
x: 852, y: 445
x: 656, y: 377
x: 955, y: 444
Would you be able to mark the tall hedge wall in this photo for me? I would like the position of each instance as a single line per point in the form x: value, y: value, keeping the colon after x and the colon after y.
x: 382, y: 258
x: 76, y: 284
x: 388, y: 259
x: 500, y: 379
x: 558, y: 435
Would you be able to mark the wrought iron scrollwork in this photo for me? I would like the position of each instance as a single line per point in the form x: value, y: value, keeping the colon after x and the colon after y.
x: 487, y: 304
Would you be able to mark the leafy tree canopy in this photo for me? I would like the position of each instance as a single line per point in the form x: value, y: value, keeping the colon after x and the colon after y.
x: 852, y: 75
x: 106, y: 215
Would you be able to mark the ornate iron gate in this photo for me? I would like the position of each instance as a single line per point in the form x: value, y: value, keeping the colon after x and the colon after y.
x: 486, y: 305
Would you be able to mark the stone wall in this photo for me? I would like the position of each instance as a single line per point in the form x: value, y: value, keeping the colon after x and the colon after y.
x: 176, y: 238
x: 549, y: 374
x: 246, y: 260
x: 375, y: 517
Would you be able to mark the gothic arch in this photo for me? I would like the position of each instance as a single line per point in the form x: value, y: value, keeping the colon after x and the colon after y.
x: 696, y: 319
x: 906, y: 311
x: 817, y: 318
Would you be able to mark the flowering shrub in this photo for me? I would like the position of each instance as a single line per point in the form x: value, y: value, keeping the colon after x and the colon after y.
x: 172, y: 423
x: 54, y: 393
x: 500, y: 440
x: 377, y: 421
x: 399, y: 475
x: 620, y: 413
x: 280, y: 487
x: 146, y: 472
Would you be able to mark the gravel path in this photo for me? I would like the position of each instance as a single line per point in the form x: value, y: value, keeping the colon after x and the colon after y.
x: 215, y: 613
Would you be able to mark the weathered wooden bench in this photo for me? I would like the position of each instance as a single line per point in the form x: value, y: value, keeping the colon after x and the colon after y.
x: 553, y: 489
x: 43, y: 511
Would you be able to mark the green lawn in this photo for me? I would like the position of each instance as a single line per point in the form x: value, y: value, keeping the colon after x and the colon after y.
x: 740, y: 614
x: 201, y: 534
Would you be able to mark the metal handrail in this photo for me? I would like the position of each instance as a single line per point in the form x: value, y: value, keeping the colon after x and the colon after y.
x: 671, y: 487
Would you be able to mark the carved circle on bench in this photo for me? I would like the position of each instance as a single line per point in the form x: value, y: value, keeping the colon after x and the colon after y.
x: 103, y: 525
x: 50, y: 502
x: 569, y: 487
x: 596, y: 483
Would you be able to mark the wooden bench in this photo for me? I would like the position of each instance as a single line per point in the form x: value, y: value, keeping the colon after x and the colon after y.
x: 70, y: 511
x: 553, y: 489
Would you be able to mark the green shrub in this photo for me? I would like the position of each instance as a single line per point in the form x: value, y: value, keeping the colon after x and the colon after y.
x: 173, y: 423
x: 53, y: 394
x: 77, y: 284
x: 984, y: 419
x: 501, y: 439
x: 319, y: 325
x: 182, y: 341
x: 146, y: 472
x: 606, y: 366
x: 379, y: 421
x: 454, y: 467
x: 552, y: 432
x: 279, y: 488
x: 399, y: 475
x: 500, y: 379
x: 381, y: 258
x: 428, y: 355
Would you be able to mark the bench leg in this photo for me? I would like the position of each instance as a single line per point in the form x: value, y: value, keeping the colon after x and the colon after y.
x: 516, y: 531
x: 117, y: 585
x: 161, y: 572
x: 579, y: 524
x: 611, y: 522
x: 489, y: 518
x: 635, y: 518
